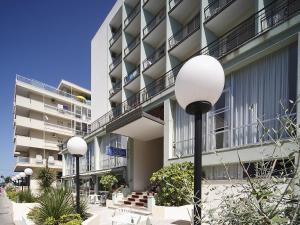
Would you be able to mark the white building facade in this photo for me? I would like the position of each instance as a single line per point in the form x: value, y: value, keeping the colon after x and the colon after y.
x: 136, y: 55
x: 44, y: 118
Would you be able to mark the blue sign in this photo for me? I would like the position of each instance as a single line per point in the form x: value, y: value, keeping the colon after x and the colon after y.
x: 113, y: 151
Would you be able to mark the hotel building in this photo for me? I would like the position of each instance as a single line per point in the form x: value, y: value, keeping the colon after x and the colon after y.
x: 45, y: 117
x: 136, y: 54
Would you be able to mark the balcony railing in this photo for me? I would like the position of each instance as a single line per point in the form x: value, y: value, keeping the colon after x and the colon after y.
x: 115, y: 36
x: 132, y: 75
x: 185, y: 32
x: 115, y: 63
x: 271, y: 16
x: 132, y: 45
x: 49, y: 88
x: 215, y: 8
x: 156, y: 56
x: 22, y: 159
x: 115, y: 89
x: 173, y: 4
x: 59, y: 126
x: 134, y: 12
x: 158, y: 18
x: 113, y: 162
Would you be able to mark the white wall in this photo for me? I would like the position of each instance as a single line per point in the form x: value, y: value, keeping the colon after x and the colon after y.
x: 148, y: 158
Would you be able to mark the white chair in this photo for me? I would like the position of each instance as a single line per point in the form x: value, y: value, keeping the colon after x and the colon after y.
x: 39, y: 159
x: 51, y: 159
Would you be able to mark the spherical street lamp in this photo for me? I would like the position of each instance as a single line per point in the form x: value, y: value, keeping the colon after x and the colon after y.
x: 18, y: 179
x: 22, y: 175
x: 199, y: 85
x: 77, y: 147
x: 28, y: 172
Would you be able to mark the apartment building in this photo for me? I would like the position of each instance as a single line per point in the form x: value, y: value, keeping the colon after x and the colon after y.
x: 45, y: 117
x: 136, y: 55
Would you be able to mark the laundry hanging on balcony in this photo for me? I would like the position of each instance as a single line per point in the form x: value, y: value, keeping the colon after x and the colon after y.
x: 114, y: 151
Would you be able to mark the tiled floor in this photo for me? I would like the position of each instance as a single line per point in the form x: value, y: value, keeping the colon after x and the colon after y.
x: 5, y: 211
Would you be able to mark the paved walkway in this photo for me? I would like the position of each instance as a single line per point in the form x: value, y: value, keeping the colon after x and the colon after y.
x: 5, y: 211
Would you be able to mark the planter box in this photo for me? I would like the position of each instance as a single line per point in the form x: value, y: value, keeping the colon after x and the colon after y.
x: 20, y: 211
x: 173, y: 212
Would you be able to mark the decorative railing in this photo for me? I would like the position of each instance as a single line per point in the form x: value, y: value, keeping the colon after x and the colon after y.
x: 271, y: 16
x: 113, y: 162
x: 132, y: 75
x: 49, y: 88
x: 134, y: 12
x: 23, y: 159
x: 156, y: 56
x: 115, y: 62
x: 215, y: 8
x: 173, y: 4
x: 185, y: 32
x: 158, y: 18
x: 58, y: 126
x: 115, y: 89
x: 115, y: 36
x: 132, y: 45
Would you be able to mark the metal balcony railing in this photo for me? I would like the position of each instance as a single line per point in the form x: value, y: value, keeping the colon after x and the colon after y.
x: 271, y: 16
x: 115, y: 89
x: 49, y: 88
x: 115, y: 36
x: 23, y: 159
x: 132, y: 45
x: 134, y: 12
x: 145, y: 2
x: 158, y: 18
x: 173, y: 4
x: 215, y: 8
x: 156, y: 56
x: 115, y: 63
x: 185, y: 32
x: 132, y: 75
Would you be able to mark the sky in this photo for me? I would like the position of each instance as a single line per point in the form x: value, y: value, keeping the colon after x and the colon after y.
x: 47, y: 40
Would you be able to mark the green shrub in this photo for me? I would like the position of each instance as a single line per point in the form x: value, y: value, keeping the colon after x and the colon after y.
x: 174, y: 184
x: 72, y: 222
x: 46, y: 177
x: 68, y: 218
x: 34, y: 214
x: 50, y: 221
x: 12, y: 195
x: 26, y: 197
x: 108, y: 181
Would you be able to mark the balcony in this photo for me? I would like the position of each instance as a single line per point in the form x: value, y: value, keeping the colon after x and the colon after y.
x: 115, y: 43
x: 132, y: 51
x: 115, y: 89
x: 48, y: 88
x: 132, y: 23
x: 132, y: 80
x: 221, y: 15
x: 115, y: 69
x: 176, y: 7
x: 186, y: 41
x: 24, y: 142
x: 23, y: 162
x: 155, y: 26
x: 113, y: 162
x: 153, y: 66
x: 153, y: 6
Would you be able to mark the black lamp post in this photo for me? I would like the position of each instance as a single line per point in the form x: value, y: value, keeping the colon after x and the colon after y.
x: 199, y: 84
x: 77, y: 147
x: 28, y: 172
x: 18, y: 179
x: 22, y: 175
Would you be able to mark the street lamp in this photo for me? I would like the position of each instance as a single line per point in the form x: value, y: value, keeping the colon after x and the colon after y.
x: 18, y: 179
x: 77, y: 147
x: 199, y: 85
x: 28, y: 172
x: 22, y: 175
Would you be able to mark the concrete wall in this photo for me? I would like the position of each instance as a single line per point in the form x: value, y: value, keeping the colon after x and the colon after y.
x: 147, y: 158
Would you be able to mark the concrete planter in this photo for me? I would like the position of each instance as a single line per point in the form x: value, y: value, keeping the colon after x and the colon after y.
x: 20, y: 211
x: 172, y: 212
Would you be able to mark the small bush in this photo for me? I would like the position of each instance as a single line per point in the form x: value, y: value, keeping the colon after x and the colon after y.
x: 12, y: 195
x: 68, y: 218
x: 108, y: 181
x: 72, y: 222
x: 34, y: 214
x: 174, y: 184
x: 26, y: 197
x: 46, y: 178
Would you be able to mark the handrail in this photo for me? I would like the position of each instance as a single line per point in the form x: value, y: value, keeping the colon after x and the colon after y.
x: 49, y: 88
x: 115, y: 36
x: 115, y: 62
x: 215, y: 8
x: 156, y: 55
x: 135, y: 42
x: 133, y: 13
x: 167, y: 80
x: 159, y: 17
x: 116, y: 88
x: 185, y: 31
x: 175, y: 4
x: 132, y: 75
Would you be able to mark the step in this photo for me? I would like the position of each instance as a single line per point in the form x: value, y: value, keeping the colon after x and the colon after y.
x: 127, y: 202
x: 138, y: 193
x: 131, y: 199
x: 140, y: 204
x: 135, y: 196
x: 143, y: 200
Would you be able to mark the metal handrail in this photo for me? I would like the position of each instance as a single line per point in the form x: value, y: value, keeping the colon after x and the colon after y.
x: 215, y: 8
x: 173, y: 4
x: 115, y: 36
x: 134, y: 12
x: 167, y: 80
x: 132, y: 45
x: 116, y: 88
x: 157, y: 19
x: 49, y: 88
x: 132, y: 75
x: 185, y: 31
x: 156, y: 56
x: 115, y: 62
